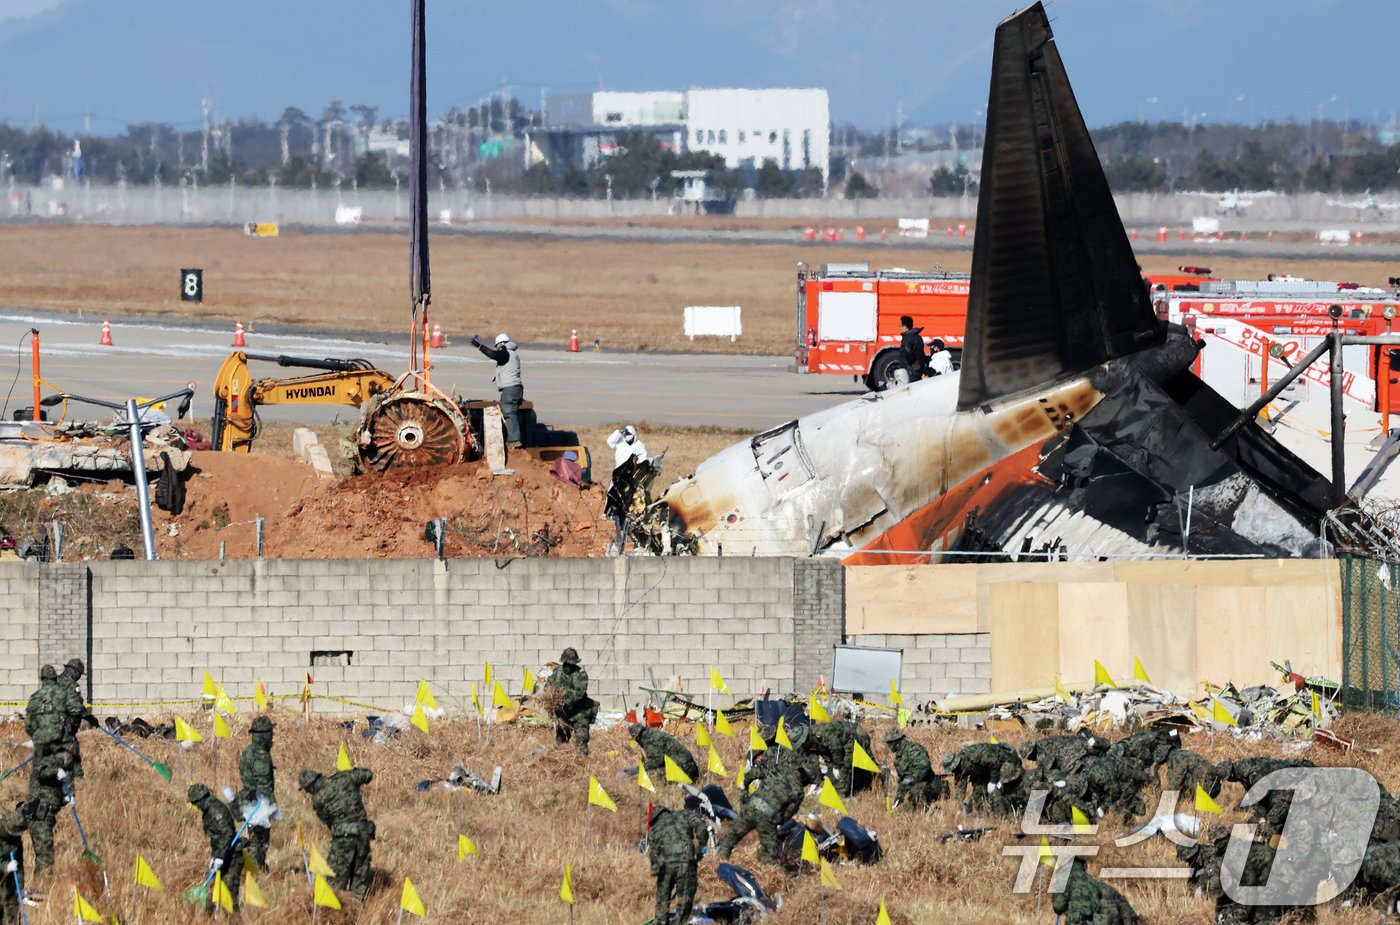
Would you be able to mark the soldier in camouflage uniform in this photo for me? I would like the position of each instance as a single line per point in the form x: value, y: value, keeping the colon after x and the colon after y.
x: 1378, y: 880
x: 778, y: 796
x: 1058, y: 756
x: 1086, y: 901
x: 577, y: 713
x: 1387, y: 825
x: 338, y: 803
x: 675, y: 843
x: 918, y: 785
x: 224, y: 855
x: 1187, y: 769
x: 1256, y: 873
x: 1150, y: 748
x: 43, y: 716
x: 47, y: 798
x: 657, y: 745
x: 1012, y: 790
x: 74, y: 711
x: 777, y: 758
x: 256, y: 770
x: 12, y: 826
x: 834, y: 743
x: 976, y: 766
x: 1107, y: 783
x: 1272, y: 808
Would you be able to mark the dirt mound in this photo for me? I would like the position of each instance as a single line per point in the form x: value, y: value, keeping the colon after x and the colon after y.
x: 381, y: 515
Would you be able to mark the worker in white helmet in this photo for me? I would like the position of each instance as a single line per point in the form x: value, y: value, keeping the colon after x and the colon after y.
x: 506, y: 353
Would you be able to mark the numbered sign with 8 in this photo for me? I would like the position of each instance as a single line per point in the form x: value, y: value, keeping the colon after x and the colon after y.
x: 192, y: 285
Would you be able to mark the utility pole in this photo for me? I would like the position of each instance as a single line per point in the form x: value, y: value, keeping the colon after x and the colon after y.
x: 204, y: 157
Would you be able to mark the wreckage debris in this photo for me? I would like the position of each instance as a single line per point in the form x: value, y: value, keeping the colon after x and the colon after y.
x: 463, y: 779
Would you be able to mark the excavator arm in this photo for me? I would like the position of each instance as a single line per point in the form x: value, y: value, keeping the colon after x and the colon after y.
x: 237, y: 395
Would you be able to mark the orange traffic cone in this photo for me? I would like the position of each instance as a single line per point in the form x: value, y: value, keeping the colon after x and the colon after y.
x: 573, y: 340
x: 106, y: 340
x: 436, y: 340
x: 238, y: 339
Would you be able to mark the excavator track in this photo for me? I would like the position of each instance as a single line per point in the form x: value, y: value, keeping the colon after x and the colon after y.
x: 412, y: 430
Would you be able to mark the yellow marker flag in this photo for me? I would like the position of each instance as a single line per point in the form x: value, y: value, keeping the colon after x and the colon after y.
x: 409, y: 901
x: 829, y: 797
x: 1060, y: 690
x: 1045, y: 856
x: 717, y: 682
x: 342, y: 760
x: 425, y: 696
x: 529, y: 685
x: 252, y: 893
x: 739, y: 778
x: 1204, y: 803
x: 145, y: 876
x: 83, y: 911
x: 223, y: 703
x: 644, y: 779
x: 566, y: 890
x: 860, y: 758
x: 1201, y: 712
x: 221, y: 730
x: 895, y: 699
x: 1101, y: 675
x: 317, y: 864
x: 722, y: 724
x: 598, y: 796
x: 884, y: 917
x: 486, y: 675
x: 249, y: 865
x: 260, y: 696
x: 817, y: 711
x: 1139, y: 672
x: 782, y: 737
x: 992, y: 739
x: 184, y: 732
x: 209, y: 690
x: 702, y: 736
x: 828, y: 878
x: 221, y: 894
x: 1316, y: 705
x: 476, y: 701
x: 465, y: 846
x: 1080, y: 820
x: 1219, y: 714
x: 419, y: 718
x: 674, y: 774
x: 324, y: 895
x: 498, y: 695
x: 809, y: 848
x: 756, y: 743
x: 714, y: 765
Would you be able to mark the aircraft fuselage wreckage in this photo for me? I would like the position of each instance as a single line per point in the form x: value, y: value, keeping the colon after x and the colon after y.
x: 1075, y: 426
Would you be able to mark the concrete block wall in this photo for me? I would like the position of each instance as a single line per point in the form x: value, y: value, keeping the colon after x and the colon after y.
x: 938, y: 664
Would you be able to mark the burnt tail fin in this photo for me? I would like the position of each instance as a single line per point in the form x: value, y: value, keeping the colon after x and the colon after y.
x: 1055, y: 288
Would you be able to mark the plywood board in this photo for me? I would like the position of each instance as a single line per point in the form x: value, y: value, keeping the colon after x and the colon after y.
x: 1025, y: 634
x: 1300, y: 632
x: 912, y: 599
x: 1235, y: 573
x: 1162, y: 633
x: 1093, y: 627
x: 1230, y: 636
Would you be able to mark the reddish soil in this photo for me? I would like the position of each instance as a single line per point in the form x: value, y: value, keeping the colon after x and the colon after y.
x: 381, y: 515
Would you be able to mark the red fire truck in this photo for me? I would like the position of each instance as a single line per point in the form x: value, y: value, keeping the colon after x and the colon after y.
x: 848, y: 315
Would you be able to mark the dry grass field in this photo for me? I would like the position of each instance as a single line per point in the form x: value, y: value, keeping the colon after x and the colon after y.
x: 528, y: 833
x: 628, y: 293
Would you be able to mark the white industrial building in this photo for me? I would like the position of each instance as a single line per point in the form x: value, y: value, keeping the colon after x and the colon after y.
x: 790, y: 127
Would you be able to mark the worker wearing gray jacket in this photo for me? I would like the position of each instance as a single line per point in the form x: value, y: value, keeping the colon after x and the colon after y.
x: 506, y: 353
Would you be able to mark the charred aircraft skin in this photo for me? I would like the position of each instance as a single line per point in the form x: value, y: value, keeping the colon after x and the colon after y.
x: 1075, y: 422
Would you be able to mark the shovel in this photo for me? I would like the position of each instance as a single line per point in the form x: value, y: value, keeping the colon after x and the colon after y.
x: 162, y: 769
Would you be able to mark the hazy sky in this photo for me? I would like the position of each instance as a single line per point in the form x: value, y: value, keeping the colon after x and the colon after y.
x: 153, y: 60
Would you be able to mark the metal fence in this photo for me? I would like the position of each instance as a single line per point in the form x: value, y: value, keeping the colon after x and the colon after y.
x: 1370, y: 633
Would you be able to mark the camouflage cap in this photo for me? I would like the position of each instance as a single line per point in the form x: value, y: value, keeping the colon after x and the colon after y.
x: 15, y: 821
x: 894, y: 735
x: 261, y: 724
x: 76, y: 664
x: 636, y: 729
x: 952, y: 760
x: 197, y: 793
x: 570, y: 656
x: 308, y: 779
x: 48, y: 673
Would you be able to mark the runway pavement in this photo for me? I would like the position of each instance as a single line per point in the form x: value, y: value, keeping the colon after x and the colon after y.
x: 568, y: 389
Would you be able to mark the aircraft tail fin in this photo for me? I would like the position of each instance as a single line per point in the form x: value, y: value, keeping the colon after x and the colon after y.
x: 1055, y: 287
